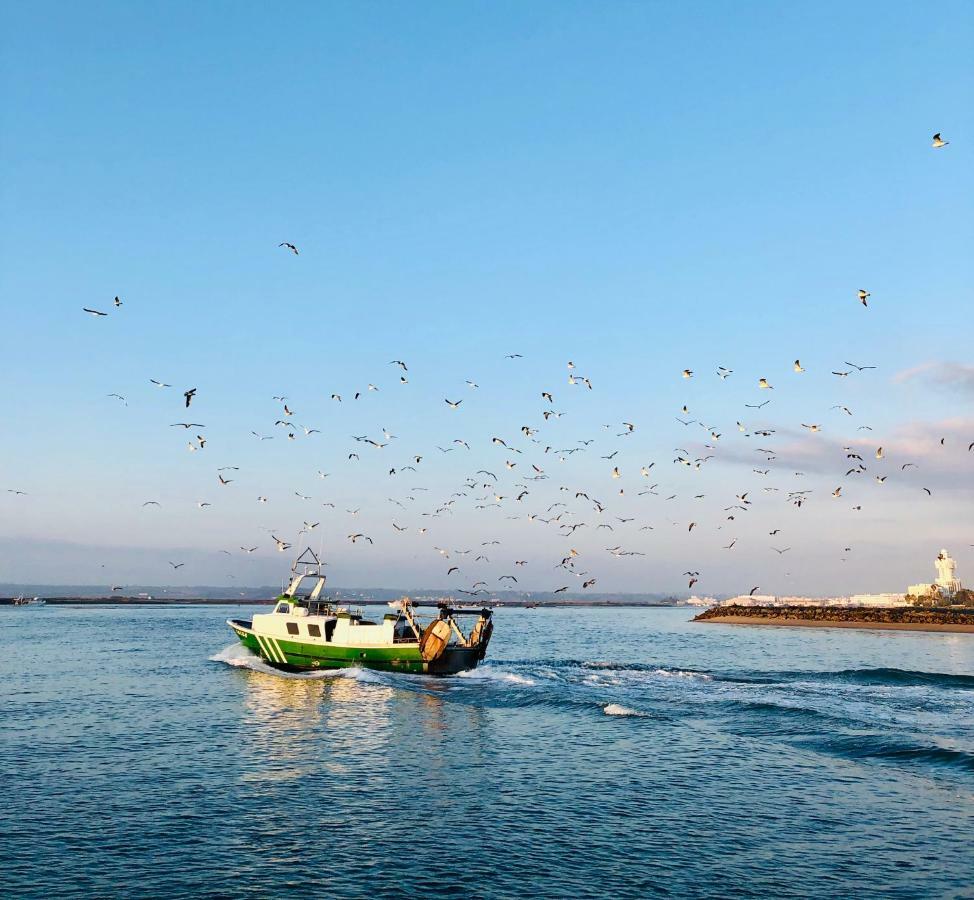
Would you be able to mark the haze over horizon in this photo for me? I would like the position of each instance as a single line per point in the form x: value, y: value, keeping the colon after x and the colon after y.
x: 637, y: 189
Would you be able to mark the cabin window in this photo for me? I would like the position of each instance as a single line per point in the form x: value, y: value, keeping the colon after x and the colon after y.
x: 314, y: 631
x: 292, y: 627
x: 283, y: 608
x: 330, y: 628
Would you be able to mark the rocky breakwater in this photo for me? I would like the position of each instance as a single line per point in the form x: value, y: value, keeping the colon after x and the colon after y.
x: 906, y: 618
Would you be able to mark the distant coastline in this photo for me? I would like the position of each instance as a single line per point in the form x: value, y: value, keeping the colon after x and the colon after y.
x: 353, y: 602
x: 902, y: 618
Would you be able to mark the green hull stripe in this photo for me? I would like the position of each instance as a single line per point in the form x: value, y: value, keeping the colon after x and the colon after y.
x: 268, y: 647
x: 277, y: 647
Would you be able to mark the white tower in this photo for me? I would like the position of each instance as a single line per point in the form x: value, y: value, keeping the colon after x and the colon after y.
x: 946, y: 573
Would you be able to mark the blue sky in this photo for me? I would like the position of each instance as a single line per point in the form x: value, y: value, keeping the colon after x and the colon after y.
x: 639, y: 188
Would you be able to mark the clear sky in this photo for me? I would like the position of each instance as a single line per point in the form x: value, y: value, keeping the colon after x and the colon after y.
x: 637, y: 187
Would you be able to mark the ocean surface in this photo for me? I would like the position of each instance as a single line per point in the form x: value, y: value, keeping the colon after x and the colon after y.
x: 597, y: 753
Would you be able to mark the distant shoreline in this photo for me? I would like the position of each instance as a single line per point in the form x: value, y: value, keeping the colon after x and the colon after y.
x: 346, y: 601
x: 889, y: 619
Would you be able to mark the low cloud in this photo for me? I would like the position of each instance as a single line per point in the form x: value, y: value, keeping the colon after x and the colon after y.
x: 949, y: 464
x: 958, y: 376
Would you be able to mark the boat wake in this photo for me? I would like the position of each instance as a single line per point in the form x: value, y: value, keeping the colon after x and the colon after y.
x: 486, y: 673
x: 238, y: 656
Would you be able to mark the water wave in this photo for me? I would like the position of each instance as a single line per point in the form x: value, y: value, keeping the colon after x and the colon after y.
x: 873, y: 677
x: 894, y: 748
x: 489, y: 673
x: 616, y: 709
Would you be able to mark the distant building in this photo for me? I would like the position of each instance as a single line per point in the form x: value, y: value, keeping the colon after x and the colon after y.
x: 876, y: 600
x: 882, y: 600
x: 947, y: 583
x: 701, y: 601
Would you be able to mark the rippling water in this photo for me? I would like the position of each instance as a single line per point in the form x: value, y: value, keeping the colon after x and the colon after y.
x: 598, y: 753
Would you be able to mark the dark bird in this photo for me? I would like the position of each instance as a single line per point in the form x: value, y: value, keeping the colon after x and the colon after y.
x: 290, y: 247
x: 94, y: 312
x: 189, y: 396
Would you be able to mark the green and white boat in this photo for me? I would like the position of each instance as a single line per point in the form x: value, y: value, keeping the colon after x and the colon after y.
x: 305, y: 632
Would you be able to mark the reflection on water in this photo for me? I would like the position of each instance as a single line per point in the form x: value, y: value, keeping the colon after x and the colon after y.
x: 140, y: 764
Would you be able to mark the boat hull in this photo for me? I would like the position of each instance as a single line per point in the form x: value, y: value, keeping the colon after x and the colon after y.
x: 300, y: 656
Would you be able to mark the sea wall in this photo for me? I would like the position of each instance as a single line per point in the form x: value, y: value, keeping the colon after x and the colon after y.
x: 902, y: 615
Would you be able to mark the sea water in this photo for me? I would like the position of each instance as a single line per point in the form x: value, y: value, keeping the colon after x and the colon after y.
x: 596, y: 753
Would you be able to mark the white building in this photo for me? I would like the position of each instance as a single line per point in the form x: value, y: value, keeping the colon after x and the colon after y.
x: 875, y: 600
x: 881, y: 600
x: 947, y: 583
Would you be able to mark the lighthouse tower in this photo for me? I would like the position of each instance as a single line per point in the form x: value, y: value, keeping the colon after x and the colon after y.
x: 947, y: 583
x: 946, y: 573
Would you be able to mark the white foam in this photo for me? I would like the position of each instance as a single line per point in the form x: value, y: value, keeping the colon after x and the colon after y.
x: 239, y: 656
x: 490, y: 674
x: 682, y: 673
x: 615, y: 709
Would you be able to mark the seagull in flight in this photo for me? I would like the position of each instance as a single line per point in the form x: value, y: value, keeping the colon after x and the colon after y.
x: 159, y: 384
x: 94, y: 312
x: 289, y: 246
x: 864, y: 296
x: 938, y: 142
x: 189, y: 396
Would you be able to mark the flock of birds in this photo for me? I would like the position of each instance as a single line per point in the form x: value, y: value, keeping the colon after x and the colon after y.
x: 523, y: 478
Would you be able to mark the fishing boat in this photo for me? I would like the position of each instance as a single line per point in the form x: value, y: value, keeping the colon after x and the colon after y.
x: 305, y: 632
x: 28, y: 601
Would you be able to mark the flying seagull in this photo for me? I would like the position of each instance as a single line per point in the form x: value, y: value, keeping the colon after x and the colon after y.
x: 938, y: 142
x: 289, y: 246
x: 94, y: 312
